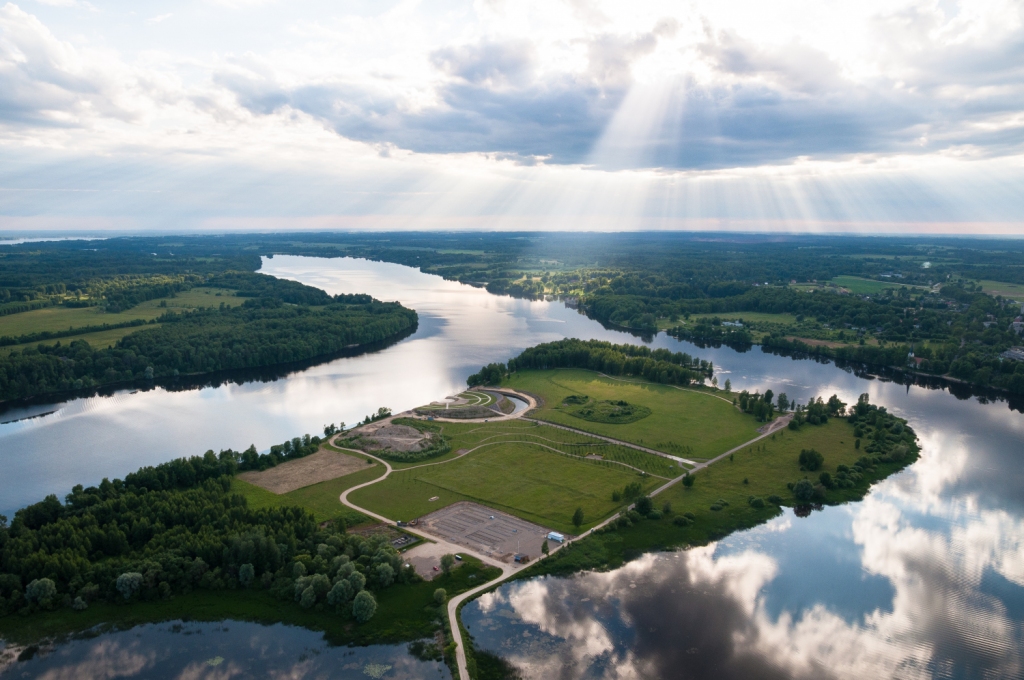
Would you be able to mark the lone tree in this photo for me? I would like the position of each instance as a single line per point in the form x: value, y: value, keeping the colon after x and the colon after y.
x: 440, y: 595
x: 577, y: 518
x: 811, y: 460
x: 364, y: 606
x: 447, y: 562
x: 544, y: 547
x: 687, y: 480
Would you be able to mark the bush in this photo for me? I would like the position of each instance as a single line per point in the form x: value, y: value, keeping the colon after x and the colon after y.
x: 756, y: 502
x: 825, y: 479
x: 688, y: 480
x: 364, y: 606
x: 654, y: 514
x: 79, y: 604
x: 716, y: 507
x: 811, y: 460
x: 681, y: 521
x: 440, y: 595
x: 775, y: 498
x: 690, y: 516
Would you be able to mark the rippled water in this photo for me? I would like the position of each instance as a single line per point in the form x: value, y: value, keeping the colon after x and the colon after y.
x: 924, y: 578
x: 231, y: 649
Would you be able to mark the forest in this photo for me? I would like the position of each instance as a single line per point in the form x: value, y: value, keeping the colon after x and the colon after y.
x: 277, y: 324
x: 175, y: 528
x: 660, y: 365
x: 928, y: 305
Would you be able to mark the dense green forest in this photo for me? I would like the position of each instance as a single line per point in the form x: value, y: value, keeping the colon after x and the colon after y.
x: 868, y: 299
x: 660, y: 365
x: 176, y: 527
x: 281, y: 322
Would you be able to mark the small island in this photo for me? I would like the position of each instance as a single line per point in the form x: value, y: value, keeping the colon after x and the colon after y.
x: 380, y: 532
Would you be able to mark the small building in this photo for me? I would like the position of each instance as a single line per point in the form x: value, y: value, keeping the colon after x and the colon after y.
x: 555, y: 536
x: 1014, y: 354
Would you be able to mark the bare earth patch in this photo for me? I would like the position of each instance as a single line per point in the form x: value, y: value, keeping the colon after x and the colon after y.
x: 388, y: 436
x: 295, y: 474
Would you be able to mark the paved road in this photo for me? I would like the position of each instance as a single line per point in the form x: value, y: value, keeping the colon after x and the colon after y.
x: 509, y: 570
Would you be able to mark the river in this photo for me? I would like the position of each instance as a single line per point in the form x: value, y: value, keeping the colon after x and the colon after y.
x: 924, y: 578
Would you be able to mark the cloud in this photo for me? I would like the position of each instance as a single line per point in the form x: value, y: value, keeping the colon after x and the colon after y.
x: 159, y: 18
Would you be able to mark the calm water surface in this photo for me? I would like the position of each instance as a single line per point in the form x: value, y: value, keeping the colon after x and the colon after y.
x: 923, y: 579
x: 218, y: 651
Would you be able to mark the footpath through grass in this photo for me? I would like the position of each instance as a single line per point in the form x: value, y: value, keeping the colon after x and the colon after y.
x: 520, y: 478
x: 692, y: 424
x: 321, y: 499
x: 760, y: 471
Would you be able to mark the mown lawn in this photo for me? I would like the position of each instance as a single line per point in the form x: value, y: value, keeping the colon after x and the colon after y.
x: 692, y: 424
x: 527, y: 481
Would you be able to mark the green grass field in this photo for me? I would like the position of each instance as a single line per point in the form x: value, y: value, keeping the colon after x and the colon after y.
x: 98, y: 339
x: 1014, y: 291
x: 528, y: 481
x: 691, y: 424
x: 860, y: 286
x: 321, y: 499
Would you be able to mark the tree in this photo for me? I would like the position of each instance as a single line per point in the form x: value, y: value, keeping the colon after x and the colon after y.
x: 644, y: 505
x: 358, y: 581
x: 544, y: 547
x: 728, y: 385
x: 811, y: 460
x: 246, y: 573
x: 440, y: 595
x: 803, y: 490
x: 129, y: 583
x: 577, y: 518
x: 447, y: 562
x: 687, y: 480
x: 825, y: 479
x: 783, y: 402
x: 41, y: 591
x: 385, y: 574
x: 364, y: 606
x: 340, y: 593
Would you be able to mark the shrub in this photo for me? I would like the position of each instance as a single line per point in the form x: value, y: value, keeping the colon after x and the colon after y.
x: 756, y: 502
x: 716, y: 507
x: 688, y: 480
x: 440, y: 595
x: 825, y: 479
x: 616, y: 496
x: 811, y: 460
x: 654, y: 514
x: 775, y: 498
x: 666, y: 508
x: 79, y: 604
x: 681, y: 521
x: 364, y: 606
x: 690, y: 516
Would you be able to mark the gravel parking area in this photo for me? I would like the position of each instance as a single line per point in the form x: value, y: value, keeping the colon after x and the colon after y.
x: 491, y: 532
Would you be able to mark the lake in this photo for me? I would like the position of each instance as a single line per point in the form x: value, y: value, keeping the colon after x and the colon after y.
x: 924, y: 578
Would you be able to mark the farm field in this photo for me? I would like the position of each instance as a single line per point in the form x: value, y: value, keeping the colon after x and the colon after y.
x: 321, y: 499
x: 694, y: 424
x: 860, y: 286
x: 55, y: 319
x: 528, y: 481
x: 1014, y: 291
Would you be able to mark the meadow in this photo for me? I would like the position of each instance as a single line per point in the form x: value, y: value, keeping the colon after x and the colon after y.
x: 520, y: 478
x: 321, y: 499
x: 696, y: 424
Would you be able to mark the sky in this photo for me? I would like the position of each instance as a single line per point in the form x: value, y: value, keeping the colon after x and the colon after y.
x: 891, y: 116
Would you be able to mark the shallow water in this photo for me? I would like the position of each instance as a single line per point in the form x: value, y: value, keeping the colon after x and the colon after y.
x: 230, y: 649
x: 923, y: 579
